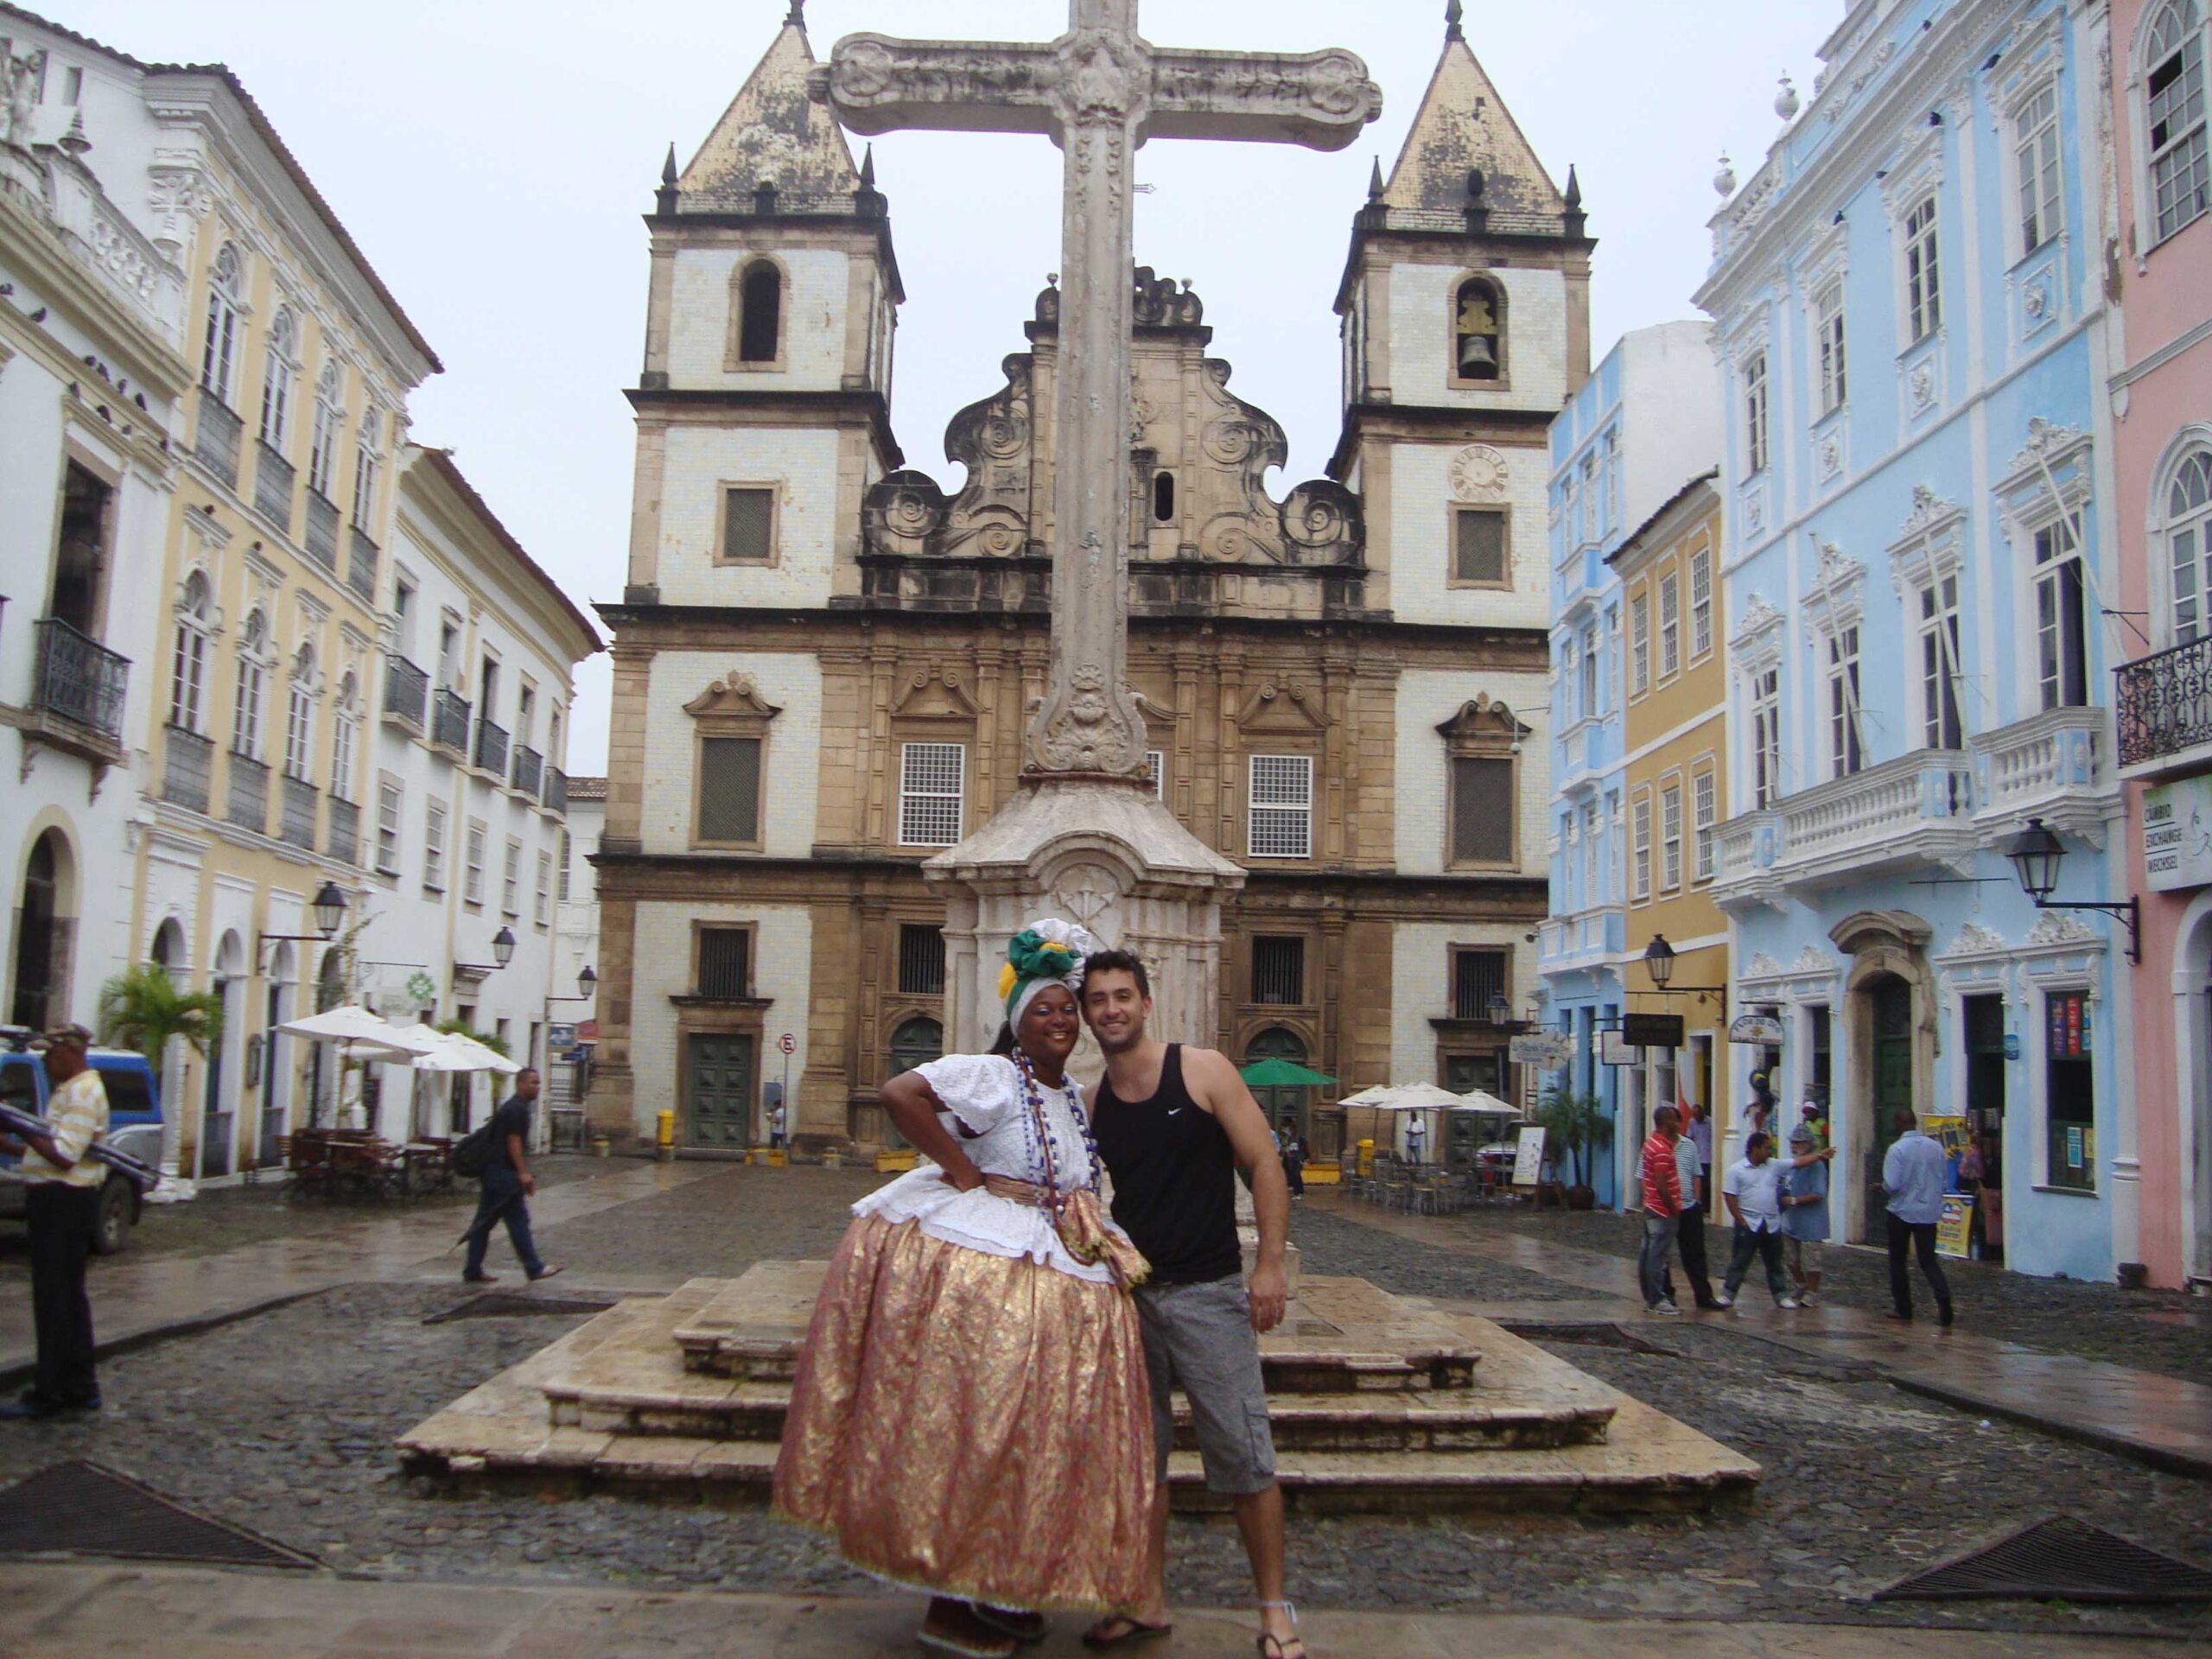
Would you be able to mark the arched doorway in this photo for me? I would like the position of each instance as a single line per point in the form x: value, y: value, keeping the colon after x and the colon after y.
x: 225, y: 1068
x: 915, y: 1042
x: 1889, y: 1086
x: 1281, y: 1105
x: 276, y: 1081
x: 42, y: 928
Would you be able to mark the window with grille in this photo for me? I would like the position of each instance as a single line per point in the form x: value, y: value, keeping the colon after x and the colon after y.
x: 245, y: 709
x: 277, y: 382
x: 1940, y: 725
x: 921, y: 960
x: 299, y: 731
x: 730, y: 790
x: 1155, y: 767
x: 1483, y: 808
x: 726, y: 962
x: 543, y: 911
x: 2181, y: 171
x: 748, y: 526
x: 1924, y: 288
x: 434, y: 846
x: 1478, y: 978
x: 1705, y: 801
x: 510, y: 879
x: 1639, y: 644
x: 188, y: 667
x: 473, y: 875
x: 1835, y: 383
x: 1281, y: 821
x: 1670, y: 625
x: 932, y: 784
x: 1478, y: 547
x: 2035, y: 151
x: 343, y: 736
x: 1640, y: 861
x: 1766, y: 737
x: 1670, y: 838
x: 1755, y: 413
x: 1279, y: 971
x: 365, y: 486
x: 1700, y: 604
x: 2062, y: 633
x: 322, y: 439
x: 390, y: 801
x: 566, y: 860
x: 1846, y: 754
x: 220, y: 361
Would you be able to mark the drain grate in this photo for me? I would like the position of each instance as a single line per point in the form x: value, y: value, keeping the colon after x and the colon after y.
x: 505, y: 1304
x: 2061, y: 1559
x: 1588, y: 1336
x: 80, y: 1508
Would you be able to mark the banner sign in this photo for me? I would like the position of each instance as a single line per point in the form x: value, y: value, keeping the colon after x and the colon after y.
x: 2177, y: 834
x: 1614, y: 1050
x: 1954, y: 1225
x: 1761, y: 1030
x: 1527, y: 1155
x: 1549, y: 1050
x: 1652, y: 1030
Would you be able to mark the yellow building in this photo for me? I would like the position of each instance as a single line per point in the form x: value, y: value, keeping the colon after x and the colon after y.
x: 1673, y: 796
x: 269, y: 611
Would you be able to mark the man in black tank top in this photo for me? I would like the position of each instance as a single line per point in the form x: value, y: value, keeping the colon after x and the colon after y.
x: 1173, y: 1124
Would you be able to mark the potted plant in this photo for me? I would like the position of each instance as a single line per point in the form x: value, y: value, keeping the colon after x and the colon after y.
x: 1575, y: 1124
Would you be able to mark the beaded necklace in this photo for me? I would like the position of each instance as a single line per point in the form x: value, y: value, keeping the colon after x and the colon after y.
x: 1038, y: 1131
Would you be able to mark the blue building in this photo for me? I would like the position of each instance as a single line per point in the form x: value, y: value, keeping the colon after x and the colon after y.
x: 1642, y: 425
x: 1908, y: 302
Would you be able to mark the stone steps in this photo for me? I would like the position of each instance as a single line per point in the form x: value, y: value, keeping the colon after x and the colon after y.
x: 618, y: 1405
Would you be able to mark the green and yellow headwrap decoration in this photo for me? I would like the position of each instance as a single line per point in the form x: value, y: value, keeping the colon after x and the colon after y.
x: 1047, y: 952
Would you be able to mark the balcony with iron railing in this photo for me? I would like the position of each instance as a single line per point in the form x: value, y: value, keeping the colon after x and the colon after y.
x: 342, y: 838
x: 2165, y: 711
x: 361, y: 564
x: 273, y: 477
x: 299, y: 799
x: 406, y: 694
x: 491, y: 747
x: 529, y: 770
x: 322, y: 530
x: 187, y: 768
x: 77, y: 687
x: 247, y: 803
x: 2055, y: 766
x: 449, y: 722
x: 555, y: 798
x: 218, y: 441
x: 1916, y: 809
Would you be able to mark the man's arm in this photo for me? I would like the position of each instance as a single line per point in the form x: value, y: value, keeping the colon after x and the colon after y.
x: 1216, y: 1088
x: 516, y: 1162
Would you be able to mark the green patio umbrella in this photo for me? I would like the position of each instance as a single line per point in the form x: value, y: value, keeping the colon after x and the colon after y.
x: 1276, y: 1072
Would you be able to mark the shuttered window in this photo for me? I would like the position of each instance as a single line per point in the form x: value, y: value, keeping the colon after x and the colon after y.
x: 748, y: 526
x: 729, y: 790
x: 1478, y: 553
x: 1481, y: 810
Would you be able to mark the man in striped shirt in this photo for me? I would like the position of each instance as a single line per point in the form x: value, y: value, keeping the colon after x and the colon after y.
x: 1663, y: 1208
x: 61, y: 1205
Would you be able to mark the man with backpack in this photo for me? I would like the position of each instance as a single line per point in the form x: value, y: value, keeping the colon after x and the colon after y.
x: 500, y: 1165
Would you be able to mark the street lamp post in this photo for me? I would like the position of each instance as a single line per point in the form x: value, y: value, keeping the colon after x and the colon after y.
x: 2037, y: 853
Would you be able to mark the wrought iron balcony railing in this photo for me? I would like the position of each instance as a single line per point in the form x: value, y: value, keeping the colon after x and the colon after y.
x: 406, y: 691
x: 272, y: 485
x: 449, y: 722
x: 343, y: 839
x: 530, y: 769
x: 557, y: 790
x: 248, y: 803
x: 492, y: 747
x: 2166, y: 703
x: 79, y: 680
x: 361, y: 564
x: 217, y: 441
x: 296, y: 825
x: 322, y: 530
x: 187, y: 768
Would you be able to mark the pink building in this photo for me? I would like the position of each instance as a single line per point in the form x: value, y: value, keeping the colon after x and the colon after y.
x: 2160, y: 266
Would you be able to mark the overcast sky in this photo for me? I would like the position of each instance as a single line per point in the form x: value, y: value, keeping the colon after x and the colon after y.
x: 492, y: 158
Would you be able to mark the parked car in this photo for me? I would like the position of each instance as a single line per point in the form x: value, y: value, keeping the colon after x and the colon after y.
x: 134, y: 1108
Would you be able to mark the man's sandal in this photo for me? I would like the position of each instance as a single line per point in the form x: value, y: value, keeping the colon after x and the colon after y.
x: 1282, y: 1647
x: 1133, y: 1632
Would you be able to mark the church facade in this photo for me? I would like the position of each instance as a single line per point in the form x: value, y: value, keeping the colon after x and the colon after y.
x: 825, y: 662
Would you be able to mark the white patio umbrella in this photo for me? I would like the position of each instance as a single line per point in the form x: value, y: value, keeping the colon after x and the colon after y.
x: 449, y: 1051
x: 1372, y: 1095
x: 356, y: 1027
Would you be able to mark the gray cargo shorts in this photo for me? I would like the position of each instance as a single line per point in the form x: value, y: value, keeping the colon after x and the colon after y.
x: 1200, y: 1338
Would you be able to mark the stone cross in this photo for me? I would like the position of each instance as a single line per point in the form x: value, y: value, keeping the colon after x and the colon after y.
x: 1098, y: 92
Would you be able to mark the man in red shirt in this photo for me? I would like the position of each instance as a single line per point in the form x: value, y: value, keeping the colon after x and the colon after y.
x: 1661, y: 1185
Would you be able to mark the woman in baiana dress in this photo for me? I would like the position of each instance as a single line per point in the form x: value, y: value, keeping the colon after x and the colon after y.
x: 970, y: 1415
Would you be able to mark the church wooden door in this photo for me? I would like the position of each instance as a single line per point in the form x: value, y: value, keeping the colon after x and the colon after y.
x: 721, y: 1107
x: 1892, y: 1082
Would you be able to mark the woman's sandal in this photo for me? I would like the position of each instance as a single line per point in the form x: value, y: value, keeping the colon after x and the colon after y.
x: 1132, y: 1632
x: 953, y: 1627
x: 1283, y: 1647
x: 1026, y: 1627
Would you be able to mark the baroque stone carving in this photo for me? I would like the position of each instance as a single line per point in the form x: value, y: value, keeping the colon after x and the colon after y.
x: 1758, y: 616
x: 1764, y: 966
x: 1975, y: 940
x: 735, y: 695
x: 2056, y: 927
x: 1811, y: 961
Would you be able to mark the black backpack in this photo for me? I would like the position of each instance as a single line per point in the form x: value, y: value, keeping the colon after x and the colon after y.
x: 473, y: 1152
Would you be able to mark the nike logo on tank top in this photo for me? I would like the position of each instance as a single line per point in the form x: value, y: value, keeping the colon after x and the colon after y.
x: 1174, y: 1179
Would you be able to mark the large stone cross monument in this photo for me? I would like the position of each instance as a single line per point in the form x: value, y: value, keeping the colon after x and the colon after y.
x: 1086, y: 836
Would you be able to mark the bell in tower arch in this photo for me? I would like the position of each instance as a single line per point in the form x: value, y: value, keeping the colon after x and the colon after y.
x: 1478, y: 331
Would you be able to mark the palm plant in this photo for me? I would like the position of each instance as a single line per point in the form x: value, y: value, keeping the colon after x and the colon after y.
x: 1575, y: 1125
x: 491, y: 1039
x: 142, y: 1009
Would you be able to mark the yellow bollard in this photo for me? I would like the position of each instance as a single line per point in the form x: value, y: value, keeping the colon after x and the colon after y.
x: 1366, y: 1157
x: 664, y: 1136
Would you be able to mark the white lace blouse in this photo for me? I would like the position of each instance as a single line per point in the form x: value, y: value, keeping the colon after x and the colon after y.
x: 983, y: 1092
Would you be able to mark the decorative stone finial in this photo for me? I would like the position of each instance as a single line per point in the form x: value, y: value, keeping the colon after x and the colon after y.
x: 1374, y: 181
x: 665, y: 198
x: 74, y: 141
x: 1786, y: 102
x: 668, y: 167
x: 796, y: 18
x: 1451, y: 15
x: 868, y: 168
x: 1574, y: 189
x: 1723, y: 181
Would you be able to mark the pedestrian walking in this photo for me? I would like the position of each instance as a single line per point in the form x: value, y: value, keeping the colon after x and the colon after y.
x: 61, y: 1207
x: 1804, y: 1211
x: 507, y: 1187
x: 1290, y: 1146
x: 1695, y: 1173
x: 1662, y: 1181
x: 1416, y: 1136
x: 1752, y: 1188
x: 1913, y: 1174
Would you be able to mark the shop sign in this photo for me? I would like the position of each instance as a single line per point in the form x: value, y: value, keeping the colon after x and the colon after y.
x: 1527, y: 1155
x: 1547, y: 1050
x: 1954, y: 1225
x: 1652, y: 1030
x: 1761, y: 1030
x: 1613, y: 1049
x: 2177, y: 834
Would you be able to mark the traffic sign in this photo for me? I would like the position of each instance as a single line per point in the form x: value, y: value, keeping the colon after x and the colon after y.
x: 786, y: 1042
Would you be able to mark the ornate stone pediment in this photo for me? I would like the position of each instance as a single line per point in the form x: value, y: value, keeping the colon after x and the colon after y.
x: 1811, y: 960
x: 1482, y: 720
x: 933, y: 693
x: 732, y: 697
x: 1975, y: 940
x: 2055, y: 927
x: 1283, y: 706
x: 1764, y: 966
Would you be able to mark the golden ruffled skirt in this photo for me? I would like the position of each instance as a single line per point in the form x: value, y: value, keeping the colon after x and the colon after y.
x: 974, y: 1425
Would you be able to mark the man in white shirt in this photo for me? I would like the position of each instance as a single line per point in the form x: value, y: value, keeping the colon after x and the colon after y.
x: 1697, y: 1196
x: 62, y: 1205
x: 1753, y: 1191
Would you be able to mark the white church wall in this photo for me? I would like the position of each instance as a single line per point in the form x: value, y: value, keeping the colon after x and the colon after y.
x: 1422, y: 315
x: 792, y: 682
x: 813, y: 321
x: 782, y: 954
x: 1421, y: 984
x: 800, y: 463
x: 1421, y: 502
x: 1428, y: 698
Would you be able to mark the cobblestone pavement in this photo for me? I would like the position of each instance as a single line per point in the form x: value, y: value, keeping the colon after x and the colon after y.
x: 284, y: 1422
x: 2149, y: 1330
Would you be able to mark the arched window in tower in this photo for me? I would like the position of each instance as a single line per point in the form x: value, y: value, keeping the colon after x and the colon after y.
x: 760, y: 307
x: 1163, y: 497
x: 1478, y: 331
